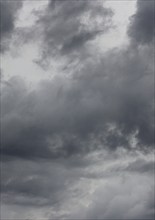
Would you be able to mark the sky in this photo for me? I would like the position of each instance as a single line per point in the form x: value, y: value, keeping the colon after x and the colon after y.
x: 77, y: 109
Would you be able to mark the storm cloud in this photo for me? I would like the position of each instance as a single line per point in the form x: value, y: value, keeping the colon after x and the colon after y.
x: 67, y: 112
x: 79, y: 144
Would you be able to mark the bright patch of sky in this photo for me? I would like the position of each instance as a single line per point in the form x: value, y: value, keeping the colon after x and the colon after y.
x: 28, y: 14
x: 117, y: 36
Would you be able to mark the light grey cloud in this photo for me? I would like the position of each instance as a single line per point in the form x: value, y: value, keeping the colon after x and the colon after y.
x: 62, y: 191
x: 126, y: 198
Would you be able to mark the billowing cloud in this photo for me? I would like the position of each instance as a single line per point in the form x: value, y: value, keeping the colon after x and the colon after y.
x: 79, y: 145
x: 101, y: 106
x: 141, y: 29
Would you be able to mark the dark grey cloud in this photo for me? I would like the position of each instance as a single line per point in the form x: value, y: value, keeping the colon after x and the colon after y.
x: 101, y: 106
x: 77, y: 41
x: 66, y: 28
x: 35, y: 184
x: 73, y: 146
x: 40, y: 183
x: 142, y: 28
x: 9, y: 10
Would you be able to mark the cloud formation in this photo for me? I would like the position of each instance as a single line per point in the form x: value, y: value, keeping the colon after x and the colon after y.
x: 62, y: 193
x: 106, y: 103
x: 141, y: 28
x: 66, y: 29
x: 79, y: 145
x: 118, y: 201
x: 8, y: 16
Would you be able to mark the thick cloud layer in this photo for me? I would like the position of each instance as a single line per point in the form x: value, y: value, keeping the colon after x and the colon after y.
x: 141, y: 28
x: 106, y: 103
x: 79, y: 145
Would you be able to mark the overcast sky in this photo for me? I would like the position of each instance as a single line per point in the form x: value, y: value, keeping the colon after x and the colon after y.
x: 77, y: 109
